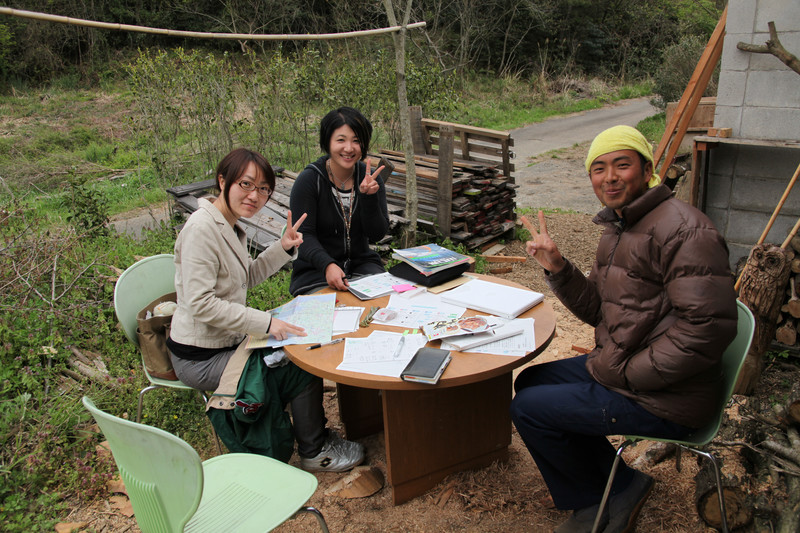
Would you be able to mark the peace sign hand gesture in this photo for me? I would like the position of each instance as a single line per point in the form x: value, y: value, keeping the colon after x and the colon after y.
x: 369, y: 185
x: 291, y: 237
x: 541, y: 247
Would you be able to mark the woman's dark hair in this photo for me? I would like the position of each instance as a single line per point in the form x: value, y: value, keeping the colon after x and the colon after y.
x: 234, y: 165
x: 341, y: 117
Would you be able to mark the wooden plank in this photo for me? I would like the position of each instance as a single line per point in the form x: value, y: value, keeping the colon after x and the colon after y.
x: 444, y: 213
x: 716, y: 38
x: 505, y: 258
x: 417, y: 135
x: 694, y: 100
x: 470, y: 129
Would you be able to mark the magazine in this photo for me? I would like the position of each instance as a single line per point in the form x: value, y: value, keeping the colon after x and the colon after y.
x: 430, y: 258
x: 464, y: 325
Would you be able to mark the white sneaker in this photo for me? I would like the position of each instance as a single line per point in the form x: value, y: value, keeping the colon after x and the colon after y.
x: 336, y: 455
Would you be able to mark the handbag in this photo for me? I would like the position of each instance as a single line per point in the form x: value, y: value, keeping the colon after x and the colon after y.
x: 152, y: 333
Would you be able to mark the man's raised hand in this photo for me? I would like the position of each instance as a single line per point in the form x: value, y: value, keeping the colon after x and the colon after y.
x: 541, y: 247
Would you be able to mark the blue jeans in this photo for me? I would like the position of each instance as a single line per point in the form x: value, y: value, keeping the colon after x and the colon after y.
x: 563, y: 415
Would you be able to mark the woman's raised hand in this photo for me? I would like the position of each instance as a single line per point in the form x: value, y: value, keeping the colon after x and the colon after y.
x: 369, y: 184
x: 541, y: 247
x: 291, y: 237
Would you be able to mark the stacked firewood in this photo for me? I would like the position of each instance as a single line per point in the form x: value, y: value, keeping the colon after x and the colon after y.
x: 788, y: 320
x: 483, y: 199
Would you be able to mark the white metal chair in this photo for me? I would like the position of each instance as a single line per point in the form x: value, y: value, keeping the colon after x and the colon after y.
x: 732, y: 361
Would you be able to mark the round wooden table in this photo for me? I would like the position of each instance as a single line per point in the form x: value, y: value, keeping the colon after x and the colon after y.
x: 430, y: 431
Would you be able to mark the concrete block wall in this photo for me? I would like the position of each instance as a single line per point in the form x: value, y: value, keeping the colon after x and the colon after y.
x: 759, y: 99
x: 744, y: 185
x: 759, y: 96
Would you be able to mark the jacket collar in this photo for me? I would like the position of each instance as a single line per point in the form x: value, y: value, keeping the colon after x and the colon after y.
x: 234, y: 237
x: 634, y: 211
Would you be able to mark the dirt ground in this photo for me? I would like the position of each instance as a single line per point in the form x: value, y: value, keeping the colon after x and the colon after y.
x: 502, y: 498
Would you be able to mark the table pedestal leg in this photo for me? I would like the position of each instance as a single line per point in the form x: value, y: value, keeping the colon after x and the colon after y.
x: 431, y: 433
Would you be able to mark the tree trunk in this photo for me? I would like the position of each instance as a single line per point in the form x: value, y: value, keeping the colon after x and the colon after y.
x: 399, y: 38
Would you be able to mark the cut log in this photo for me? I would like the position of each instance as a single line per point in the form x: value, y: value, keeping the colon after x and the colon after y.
x: 794, y: 301
x: 737, y: 510
x: 363, y: 481
x: 793, y: 406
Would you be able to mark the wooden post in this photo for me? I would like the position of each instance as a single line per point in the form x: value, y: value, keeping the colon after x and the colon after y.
x: 444, y: 212
x: 415, y: 117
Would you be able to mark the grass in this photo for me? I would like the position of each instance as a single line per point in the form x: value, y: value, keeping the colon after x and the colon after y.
x: 521, y: 104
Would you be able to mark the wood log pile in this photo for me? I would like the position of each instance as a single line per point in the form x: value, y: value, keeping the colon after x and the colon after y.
x: 483, y: 199
x: 787, y: 332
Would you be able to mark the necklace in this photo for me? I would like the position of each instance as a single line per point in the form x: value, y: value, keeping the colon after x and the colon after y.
x: 347, y: 211
x: 336, y: 182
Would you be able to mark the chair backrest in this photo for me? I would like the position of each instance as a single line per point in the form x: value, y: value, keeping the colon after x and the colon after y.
x: 140, y: 284
x: 732, y: 362
x: 163, y: 474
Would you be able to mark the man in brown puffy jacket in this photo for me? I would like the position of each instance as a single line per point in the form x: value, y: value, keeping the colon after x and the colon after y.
x: 660, y: 296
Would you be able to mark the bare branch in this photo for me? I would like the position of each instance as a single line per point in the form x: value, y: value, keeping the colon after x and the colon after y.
x: 772, y: 46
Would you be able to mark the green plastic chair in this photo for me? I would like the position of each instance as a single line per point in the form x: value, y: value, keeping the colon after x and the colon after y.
x: 140, y: 284
x: 172, y: 490
x: 732, y: 361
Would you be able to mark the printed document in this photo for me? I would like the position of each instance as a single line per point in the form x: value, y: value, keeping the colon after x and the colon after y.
x: 383, y: 353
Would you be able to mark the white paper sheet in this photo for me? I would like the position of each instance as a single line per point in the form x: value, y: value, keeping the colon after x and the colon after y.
x: 346, y: 319
x: 418, y: 310
x: 381, y: 354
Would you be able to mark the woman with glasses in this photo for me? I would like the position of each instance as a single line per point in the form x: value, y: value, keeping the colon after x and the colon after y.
x: 346, y: 205
x: 213, y: 272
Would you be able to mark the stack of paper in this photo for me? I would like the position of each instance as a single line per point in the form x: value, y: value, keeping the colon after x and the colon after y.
x: 493, y: 298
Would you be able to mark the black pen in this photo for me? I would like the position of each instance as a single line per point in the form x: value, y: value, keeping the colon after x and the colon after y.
x: 334, y: 341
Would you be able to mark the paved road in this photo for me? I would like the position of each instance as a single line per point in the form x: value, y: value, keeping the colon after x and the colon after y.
x: 550, y: 183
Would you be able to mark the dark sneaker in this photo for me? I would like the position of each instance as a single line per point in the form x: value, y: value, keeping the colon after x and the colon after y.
x: 624, y: 507
x: 336, y: 455
x: 582, y: 521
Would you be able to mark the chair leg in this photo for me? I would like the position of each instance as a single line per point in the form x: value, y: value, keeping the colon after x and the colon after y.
x: 141, y: 400
x: 204, y: 399
x: 609, y: 483
x: 718, y: 478
x: 317, y: 515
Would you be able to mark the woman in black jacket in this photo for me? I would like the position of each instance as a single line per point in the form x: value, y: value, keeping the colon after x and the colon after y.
x: 346, y: 206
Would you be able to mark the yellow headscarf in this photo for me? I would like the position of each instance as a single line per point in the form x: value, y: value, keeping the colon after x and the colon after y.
x: 622, y: 138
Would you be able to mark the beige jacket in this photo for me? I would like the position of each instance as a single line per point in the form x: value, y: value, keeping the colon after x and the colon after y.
x: 213, y: 271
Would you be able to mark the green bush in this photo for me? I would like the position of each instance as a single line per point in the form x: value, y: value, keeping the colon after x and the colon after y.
x: 672, y: 77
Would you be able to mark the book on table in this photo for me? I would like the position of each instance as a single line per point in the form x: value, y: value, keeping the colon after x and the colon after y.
x: 493, y: 298
x: 427, y: 366
x: 430, y: 258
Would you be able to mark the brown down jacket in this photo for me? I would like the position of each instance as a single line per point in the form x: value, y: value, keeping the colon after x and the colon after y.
x: 661, y: 298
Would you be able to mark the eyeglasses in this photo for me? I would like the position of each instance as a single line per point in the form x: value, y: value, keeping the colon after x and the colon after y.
x: 249, y: 186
